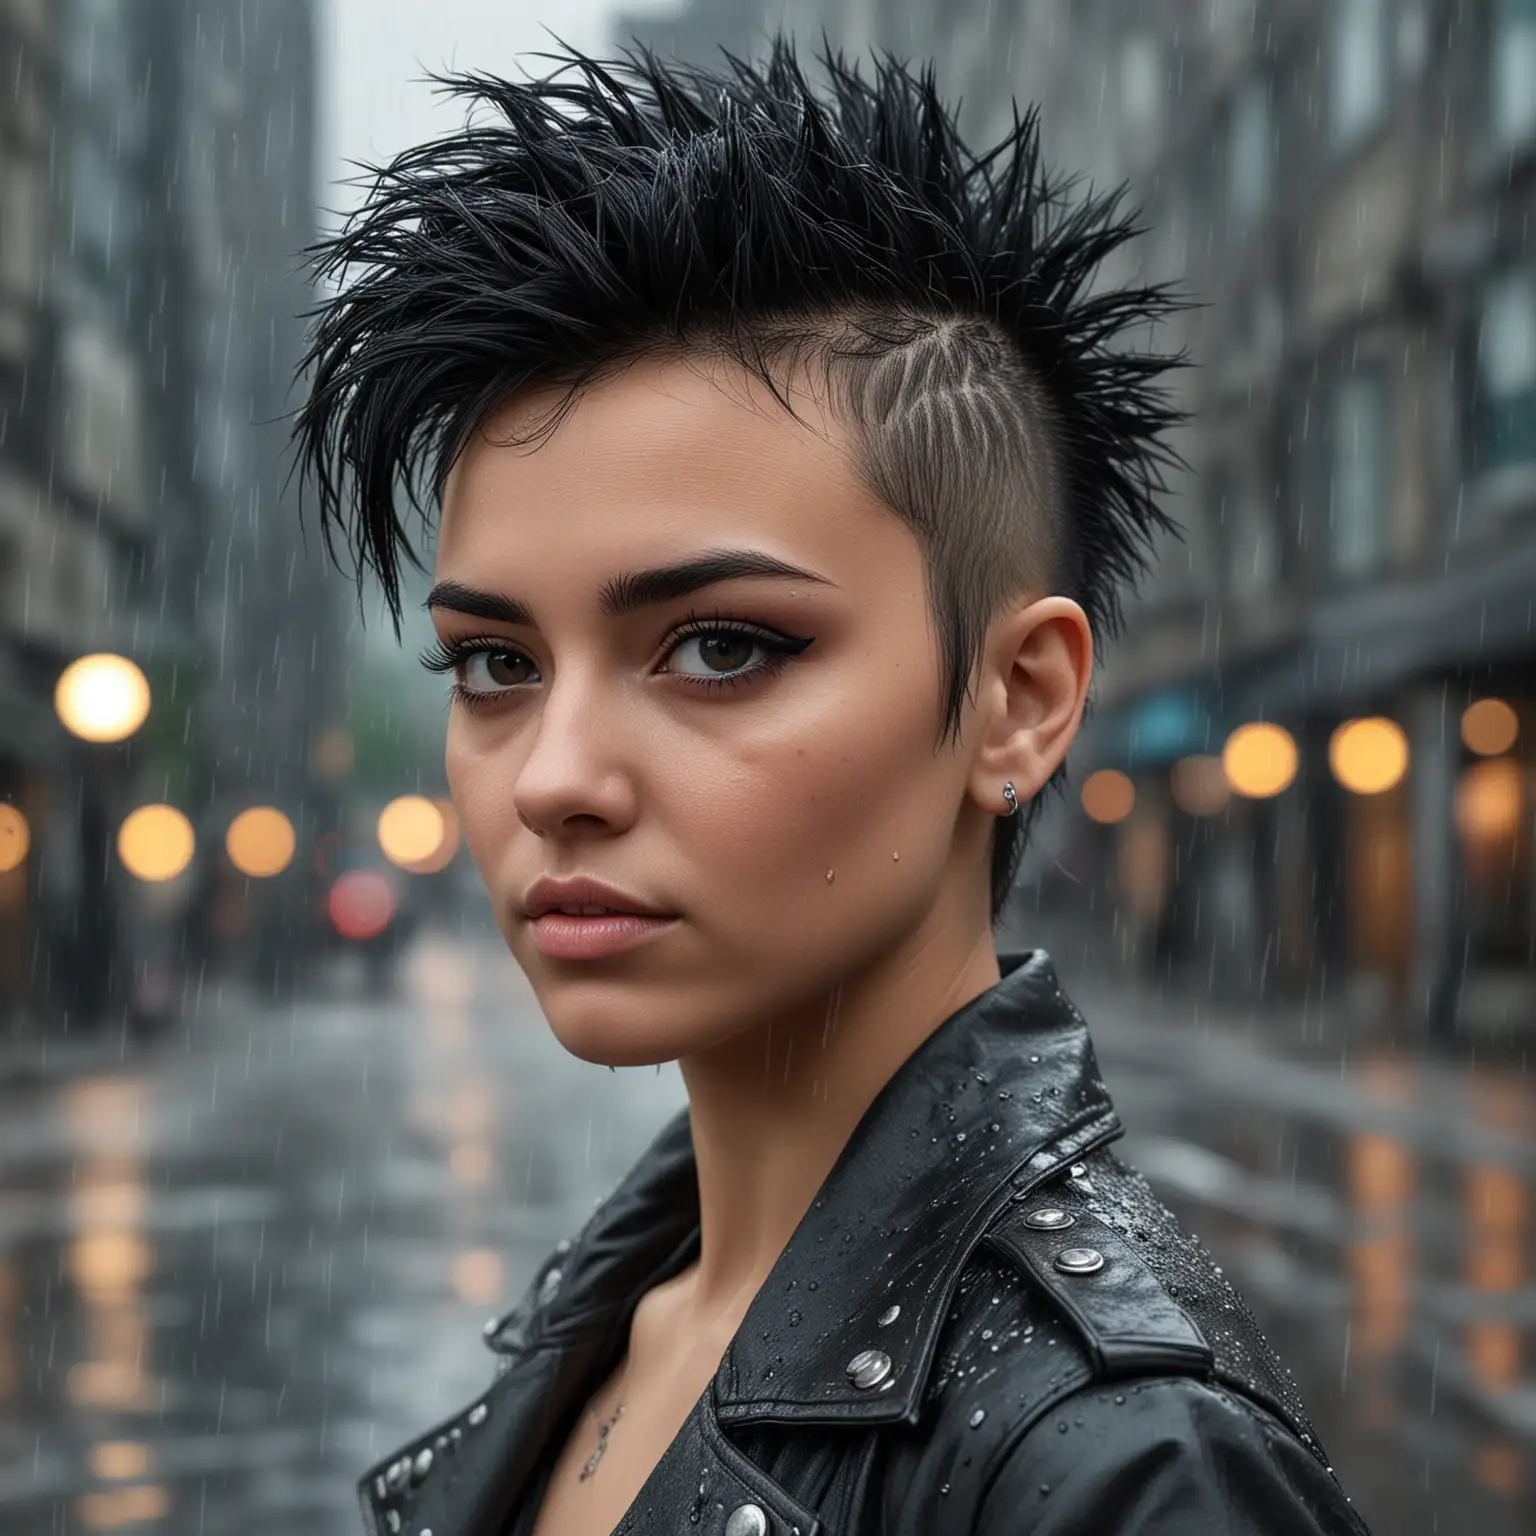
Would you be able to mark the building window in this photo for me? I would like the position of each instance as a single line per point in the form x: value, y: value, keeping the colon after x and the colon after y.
x: 1504, y: 400
x: 1512, y: 69
x: 1358, y: 70
x: 1250, y: 152
x: 1358, y: 460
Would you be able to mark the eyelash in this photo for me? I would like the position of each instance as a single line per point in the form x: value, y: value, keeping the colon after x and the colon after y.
x: 781, y: 650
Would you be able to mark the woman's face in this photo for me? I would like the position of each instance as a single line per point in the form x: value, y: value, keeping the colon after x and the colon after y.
x: 710, y: 775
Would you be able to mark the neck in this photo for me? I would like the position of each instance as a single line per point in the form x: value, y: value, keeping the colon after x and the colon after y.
x: 772, y: 1110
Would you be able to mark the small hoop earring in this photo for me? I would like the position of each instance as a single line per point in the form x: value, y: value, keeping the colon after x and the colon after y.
x: 1011, y: 796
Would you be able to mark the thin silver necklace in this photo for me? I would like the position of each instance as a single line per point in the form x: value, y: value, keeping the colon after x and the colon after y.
x: 602, y: 1437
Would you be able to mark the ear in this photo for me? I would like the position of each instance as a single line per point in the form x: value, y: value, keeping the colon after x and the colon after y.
x: 1039, y: 665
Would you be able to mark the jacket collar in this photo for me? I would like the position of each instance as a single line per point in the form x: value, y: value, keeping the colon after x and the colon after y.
x: 1001, y: 1097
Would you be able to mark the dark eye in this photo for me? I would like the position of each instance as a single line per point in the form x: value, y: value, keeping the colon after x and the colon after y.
x: 720, y: 650
x: 500, y: 670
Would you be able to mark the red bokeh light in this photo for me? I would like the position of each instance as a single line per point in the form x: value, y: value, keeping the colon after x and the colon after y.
x: 361, y: 903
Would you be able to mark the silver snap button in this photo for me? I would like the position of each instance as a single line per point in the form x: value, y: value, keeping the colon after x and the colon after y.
x: 1079, y: 1261
x: 1049, y: 1219
x: 550, y: 1285
x: 422, y: 1465
x: 888, y: 1317
x: 477, y: 1415
x: 869, y: 1367
x: 396, y: 1474
x: 489, y: 1331
x: 747, y: 1520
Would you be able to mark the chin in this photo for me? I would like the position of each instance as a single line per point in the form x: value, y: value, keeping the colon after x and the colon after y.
x: 608, y: 1043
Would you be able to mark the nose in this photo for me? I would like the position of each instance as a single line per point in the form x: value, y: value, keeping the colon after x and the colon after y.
x: 571, y: 771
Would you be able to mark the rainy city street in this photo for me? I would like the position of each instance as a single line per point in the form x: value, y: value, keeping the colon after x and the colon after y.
x: 241, y: 1263
x: 1194, y: 418
x: 239, y: 1266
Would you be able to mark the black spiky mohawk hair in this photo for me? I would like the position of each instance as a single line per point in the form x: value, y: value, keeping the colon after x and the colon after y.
x: 651, y: 207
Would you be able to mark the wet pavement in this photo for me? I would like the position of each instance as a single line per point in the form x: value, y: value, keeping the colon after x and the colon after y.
x: 242, y: 1261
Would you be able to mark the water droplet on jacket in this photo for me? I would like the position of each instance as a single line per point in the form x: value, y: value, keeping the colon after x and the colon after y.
x: 943, y: 1487
x: 1045, y: 1487
x: 977, y: 1417
x: 1061, y: 1426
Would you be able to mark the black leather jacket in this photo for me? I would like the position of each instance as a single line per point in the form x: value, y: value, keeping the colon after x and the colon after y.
x: 986, y: 1324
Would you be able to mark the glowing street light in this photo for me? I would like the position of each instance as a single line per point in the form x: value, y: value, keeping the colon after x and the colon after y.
x: 447, y: 845
x: 1108, y: 796
x: 1260, y: 760
x: 1368, y: 756
x: 15, y: 838
x: 1199, y: 785
x: 155, y: 842
x: 260, y: 841
x: 1489, y: 727
x: 102, y: 697
x: 411, y: 830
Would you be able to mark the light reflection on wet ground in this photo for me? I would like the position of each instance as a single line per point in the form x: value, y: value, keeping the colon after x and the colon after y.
x: 239, y: 1264
x: 237, y: 1268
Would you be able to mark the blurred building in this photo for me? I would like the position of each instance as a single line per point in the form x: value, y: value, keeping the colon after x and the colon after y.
x: 1347, y: 188
x: 157, y: 186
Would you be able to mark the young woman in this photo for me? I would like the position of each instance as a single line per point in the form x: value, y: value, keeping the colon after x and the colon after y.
x: 785, y: 476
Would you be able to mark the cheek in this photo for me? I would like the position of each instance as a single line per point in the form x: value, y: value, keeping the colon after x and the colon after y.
x: 482, y: 798
x: 843, y: 795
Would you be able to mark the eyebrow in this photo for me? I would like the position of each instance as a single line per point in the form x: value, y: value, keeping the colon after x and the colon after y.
x: 630, y: 591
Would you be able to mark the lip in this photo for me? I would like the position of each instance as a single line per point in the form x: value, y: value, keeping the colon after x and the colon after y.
x: 561, y: 937
x: 546, y: 894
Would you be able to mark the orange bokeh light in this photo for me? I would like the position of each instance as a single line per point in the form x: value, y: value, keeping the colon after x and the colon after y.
x: 1108, y: 796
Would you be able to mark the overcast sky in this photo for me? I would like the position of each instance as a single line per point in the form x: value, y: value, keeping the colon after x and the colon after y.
x: 374, y: 54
